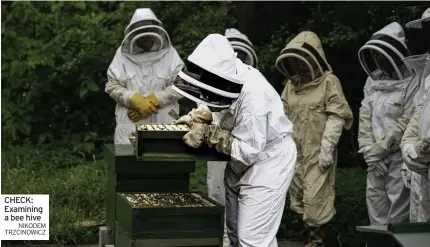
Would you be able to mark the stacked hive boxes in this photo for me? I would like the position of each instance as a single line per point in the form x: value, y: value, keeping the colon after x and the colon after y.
x: 149, y: 203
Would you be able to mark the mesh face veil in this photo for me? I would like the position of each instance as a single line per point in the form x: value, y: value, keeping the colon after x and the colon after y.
x: 145, y: 38
x: 301, y: 63
x: 386, y: 54
x: 245, y: 52
x: 206, y: 88
x: 242, y: 46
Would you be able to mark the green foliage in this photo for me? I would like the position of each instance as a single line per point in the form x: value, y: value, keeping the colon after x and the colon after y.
x: 57, y: 53
x: 53, y: 70
x: 77, y: 189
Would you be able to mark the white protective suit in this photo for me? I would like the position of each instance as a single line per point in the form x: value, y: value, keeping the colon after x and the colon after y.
x: 386, y: 109
x: 144, y: 73
x: 419, y: 129
x: 257, y: 135
x: 215, y: 169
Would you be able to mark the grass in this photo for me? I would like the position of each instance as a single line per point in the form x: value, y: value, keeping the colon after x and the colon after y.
x: 77, y: 190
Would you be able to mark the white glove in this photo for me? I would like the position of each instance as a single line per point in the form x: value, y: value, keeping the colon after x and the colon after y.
x: 409, y: 155
x: 406, y: 176
x: 378, y: 167
x: 325, y: 161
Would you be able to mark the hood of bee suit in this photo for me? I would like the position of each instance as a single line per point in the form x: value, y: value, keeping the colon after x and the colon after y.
x: 306, y: 46
x: 417, y: 23
x: 390, y: 43
x: 240, y: 42
x: 212, y: 74
x: 144, y: 24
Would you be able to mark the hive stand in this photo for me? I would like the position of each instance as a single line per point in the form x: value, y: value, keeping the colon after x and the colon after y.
x: 397, y: 235
x: 161, y: 163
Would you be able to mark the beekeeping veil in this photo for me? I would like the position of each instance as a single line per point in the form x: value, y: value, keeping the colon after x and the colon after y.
x: 303, y: 55
x: 144, y: 34
x: 418, y: 34
x: 212, y: 74
x: 242, y: 46
x: 385, y: 52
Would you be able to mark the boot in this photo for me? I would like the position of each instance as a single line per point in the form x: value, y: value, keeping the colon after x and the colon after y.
x: 316, y: 237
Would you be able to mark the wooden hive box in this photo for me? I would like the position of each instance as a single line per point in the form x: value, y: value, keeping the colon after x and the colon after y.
x: 168, y: 219
x: 127, y: 174
x: 157, y: 139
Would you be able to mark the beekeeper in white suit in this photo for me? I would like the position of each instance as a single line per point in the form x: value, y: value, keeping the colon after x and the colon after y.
x: 255, y: 132
x: 215, y: 169
x: 416, y: 140
x: 386, y: 109
x: 141, y: 74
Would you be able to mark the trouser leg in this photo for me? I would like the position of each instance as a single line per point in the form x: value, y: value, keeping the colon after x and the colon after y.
x: 398, y: 194
x: 420, y: 200
x: 318, y: 195
x: 231, y: 207
x: 260, y: 214
x: 295, y: 190
x: 216, y: 189
x: 378, y: 203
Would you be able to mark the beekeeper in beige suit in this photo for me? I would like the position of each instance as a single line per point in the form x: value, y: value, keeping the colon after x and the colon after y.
x: 314, y: 101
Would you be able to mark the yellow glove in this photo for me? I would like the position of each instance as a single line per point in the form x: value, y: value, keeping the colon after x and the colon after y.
x: 145, y: 105
x: 133, y: 115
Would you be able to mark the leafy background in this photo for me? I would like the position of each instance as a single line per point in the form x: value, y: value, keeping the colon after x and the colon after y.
x: 56, y: 116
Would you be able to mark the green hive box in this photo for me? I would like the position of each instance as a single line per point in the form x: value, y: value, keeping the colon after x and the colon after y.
x: 165, y: 140
x: 152, y: 172
x: 127, y: 174
x: 168, y: 222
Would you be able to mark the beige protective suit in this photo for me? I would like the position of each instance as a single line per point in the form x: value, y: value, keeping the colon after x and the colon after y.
x: 319, y: 112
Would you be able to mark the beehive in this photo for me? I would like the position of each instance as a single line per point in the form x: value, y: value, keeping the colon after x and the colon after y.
x: 126, y: 174
x: 168, y: 139
x: 154, y: 219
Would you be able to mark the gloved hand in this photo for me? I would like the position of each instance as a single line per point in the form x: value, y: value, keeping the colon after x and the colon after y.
x: 423, y: 148
x: 196, y: 136
x: 198, y: 115
x: 145, y: 105
x: 133, y: 115
x: 222, y: 140
x: 325, y: 161
x: 378, y: 167
x: 409, y: 157
x: 406, y: 176
x: 212, y: 135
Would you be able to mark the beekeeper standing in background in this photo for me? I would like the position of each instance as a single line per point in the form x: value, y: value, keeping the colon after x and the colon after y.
x: 141, y: 74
